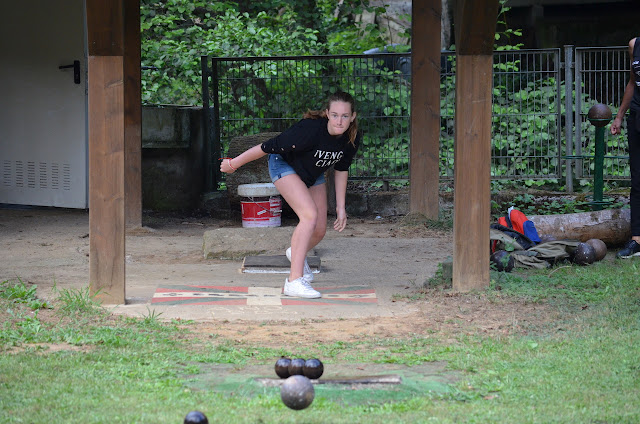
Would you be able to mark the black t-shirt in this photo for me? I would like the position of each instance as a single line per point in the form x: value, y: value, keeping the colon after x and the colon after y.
x: 635, y: 68
x: 310, y: 150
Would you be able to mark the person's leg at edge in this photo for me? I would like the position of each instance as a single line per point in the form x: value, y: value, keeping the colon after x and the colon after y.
x: 634, y: 162
x: 299, y: 198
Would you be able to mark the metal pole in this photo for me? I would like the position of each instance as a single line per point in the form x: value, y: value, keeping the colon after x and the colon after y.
x: 216, y: 149
x: 568, y: 114
x: 599, y: 115
x: 598, y: 177
x: 577, y: 144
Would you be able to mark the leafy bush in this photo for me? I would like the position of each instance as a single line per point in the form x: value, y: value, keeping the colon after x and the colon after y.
x: 176, y: 33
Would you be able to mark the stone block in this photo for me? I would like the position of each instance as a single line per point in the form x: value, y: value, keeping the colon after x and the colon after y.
x: 389, y: 203
x: 236, y: 243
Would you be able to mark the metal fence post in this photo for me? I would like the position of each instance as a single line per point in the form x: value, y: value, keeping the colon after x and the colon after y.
x: 577, y: 140
x: 568, y: 116
x: 206, y: 119
x: 215, y: 131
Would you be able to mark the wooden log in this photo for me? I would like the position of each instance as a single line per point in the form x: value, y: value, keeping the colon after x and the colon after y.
x: 612, y: 226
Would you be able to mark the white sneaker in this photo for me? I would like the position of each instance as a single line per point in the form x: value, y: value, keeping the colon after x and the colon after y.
x: 300, y: 288
x: 307, y: 274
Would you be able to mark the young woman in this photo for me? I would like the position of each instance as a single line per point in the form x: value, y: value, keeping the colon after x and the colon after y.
x: 631, y: 100
x: 298, y: 158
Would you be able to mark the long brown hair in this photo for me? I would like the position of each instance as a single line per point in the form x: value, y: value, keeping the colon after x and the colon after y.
x: 338, y: 96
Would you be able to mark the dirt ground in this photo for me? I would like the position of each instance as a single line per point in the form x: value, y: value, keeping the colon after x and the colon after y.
x: 51, y: 246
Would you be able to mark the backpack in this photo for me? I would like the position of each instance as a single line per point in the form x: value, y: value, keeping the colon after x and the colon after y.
x: 519, y: 222
x: 517, y: 226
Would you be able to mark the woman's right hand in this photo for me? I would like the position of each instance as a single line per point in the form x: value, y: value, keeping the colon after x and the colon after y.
x: 615, y: 126
x: 226, y: 166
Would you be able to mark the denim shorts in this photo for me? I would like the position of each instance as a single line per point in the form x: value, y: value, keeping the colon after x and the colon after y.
x: 278, y: 168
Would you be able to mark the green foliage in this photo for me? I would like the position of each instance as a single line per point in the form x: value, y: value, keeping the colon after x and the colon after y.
x: 18, y: 292
x: 76, y: 301
x: 176, y: 33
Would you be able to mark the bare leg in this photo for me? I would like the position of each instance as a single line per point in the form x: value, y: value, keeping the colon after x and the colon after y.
x: 319, y: 195
x: 299, y: 197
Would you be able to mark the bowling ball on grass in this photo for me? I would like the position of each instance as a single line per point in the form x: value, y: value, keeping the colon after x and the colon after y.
x: 296, y: 366
x: 195, y: 417
x: 584, y: 254
x: 297, y: 392
x: 313, y: 368
x: 599, y: 246
x: 282, y: 367
x: 502, y: 260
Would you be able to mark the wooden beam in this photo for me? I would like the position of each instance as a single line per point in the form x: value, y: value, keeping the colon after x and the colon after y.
x: 105, y: 28
x: 106, y: 179
x: 475, y: 26
x: 425, y: 108
x: 105, y: 38
x: 132, y: 115
x: 472, y: 172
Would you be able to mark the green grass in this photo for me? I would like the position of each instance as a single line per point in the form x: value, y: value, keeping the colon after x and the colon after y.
x: 582, y: 367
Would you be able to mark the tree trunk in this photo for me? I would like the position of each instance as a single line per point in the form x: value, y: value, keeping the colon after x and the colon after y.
x: 612, y: 226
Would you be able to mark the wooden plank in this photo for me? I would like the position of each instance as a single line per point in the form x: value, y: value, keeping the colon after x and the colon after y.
x: 105, y: 35
x: 425, y: 108
x: 132, y: 115
x: 106, y: 179
x: 475, y: 26
x: 363, y: 382
x: 472, y: 174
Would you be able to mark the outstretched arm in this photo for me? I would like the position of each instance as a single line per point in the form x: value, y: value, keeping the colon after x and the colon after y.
x: 626, y: 98
x: 231, y: 165
x: 341, y: 178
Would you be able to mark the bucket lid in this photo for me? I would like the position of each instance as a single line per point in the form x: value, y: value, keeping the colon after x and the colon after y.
x: 257, y: 190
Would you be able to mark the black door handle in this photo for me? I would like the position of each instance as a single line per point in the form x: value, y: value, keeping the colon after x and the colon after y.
x: 76, y: 70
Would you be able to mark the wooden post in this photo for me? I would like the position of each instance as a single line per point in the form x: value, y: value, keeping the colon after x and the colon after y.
x: 132, y: 115
x: 106, y: 150
x: 425, y: 108
x: 475, y: 31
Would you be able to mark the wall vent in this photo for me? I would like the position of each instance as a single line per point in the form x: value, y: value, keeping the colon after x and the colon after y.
x: 35, y: 175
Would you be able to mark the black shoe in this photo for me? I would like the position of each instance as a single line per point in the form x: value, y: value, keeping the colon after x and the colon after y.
x: 632, y: 248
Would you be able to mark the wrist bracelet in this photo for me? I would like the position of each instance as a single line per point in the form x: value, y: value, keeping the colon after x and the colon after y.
x: 229, y: 162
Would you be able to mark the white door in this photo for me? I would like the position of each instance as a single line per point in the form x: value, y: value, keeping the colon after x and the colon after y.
x: 43, y: 112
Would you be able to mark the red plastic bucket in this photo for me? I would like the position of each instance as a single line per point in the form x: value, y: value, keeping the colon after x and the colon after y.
x: 261, y: 205
x: 261, y: 212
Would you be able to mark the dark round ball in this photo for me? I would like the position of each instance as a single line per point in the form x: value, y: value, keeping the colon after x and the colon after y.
x: 502, y: 261
x: 600, y: 248
x: 600, y: 112
x: 195, y: 417
x: 584, y: 254
x: 297, y: 392
x: 313, y: 368
x: 547, y: 238
x: 296, y: 366
x: 282, y: 367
